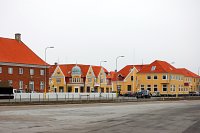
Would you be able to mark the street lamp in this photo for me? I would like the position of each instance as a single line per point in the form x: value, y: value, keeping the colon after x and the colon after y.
x: 45, y: 78
x: 116, y: 72
x: 100, y: 75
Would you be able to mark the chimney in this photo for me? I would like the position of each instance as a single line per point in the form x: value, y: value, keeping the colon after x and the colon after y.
x: 56, y: 63
x: 18, y: 37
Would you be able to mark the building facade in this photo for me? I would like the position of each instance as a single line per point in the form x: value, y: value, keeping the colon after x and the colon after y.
x: 78, y: 78
x: 20, y: 67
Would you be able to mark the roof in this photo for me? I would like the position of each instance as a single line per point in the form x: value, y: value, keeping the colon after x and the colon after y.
x: 13, y: 51
x: 67, y: 69
x: 96, y: 70
x: 187, y: 73
x: 160, y: 67
x: 126, y: 70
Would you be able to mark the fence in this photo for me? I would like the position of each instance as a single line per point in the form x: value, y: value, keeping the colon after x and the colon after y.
x: 62, y: 96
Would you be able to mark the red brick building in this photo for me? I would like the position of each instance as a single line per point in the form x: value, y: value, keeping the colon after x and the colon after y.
x: 20, y: 67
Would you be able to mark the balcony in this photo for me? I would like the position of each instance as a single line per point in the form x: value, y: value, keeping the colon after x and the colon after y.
x: 76, y: 81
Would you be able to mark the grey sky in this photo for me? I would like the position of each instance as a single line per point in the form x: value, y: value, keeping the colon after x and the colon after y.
x: 92, y: 30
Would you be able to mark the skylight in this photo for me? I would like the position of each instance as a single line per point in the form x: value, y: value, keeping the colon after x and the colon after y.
x: 153, y: 68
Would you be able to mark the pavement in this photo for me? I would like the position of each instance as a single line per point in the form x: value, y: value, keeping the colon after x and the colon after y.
x: 138, y: 117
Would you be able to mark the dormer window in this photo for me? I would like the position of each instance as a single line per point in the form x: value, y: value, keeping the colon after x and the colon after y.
x: 153, y: 68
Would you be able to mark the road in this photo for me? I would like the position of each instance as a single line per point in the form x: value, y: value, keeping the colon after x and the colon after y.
x: 141, y: 117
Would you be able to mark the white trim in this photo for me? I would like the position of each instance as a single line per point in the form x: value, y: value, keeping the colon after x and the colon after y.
x: 58, y: 67
x: 23, y: 65
x: 130, y: 73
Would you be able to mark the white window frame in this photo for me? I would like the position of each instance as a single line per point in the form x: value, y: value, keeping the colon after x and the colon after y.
x: 154, y: 77
x: 166, y: 77
x: 164, y: 87
x: 149, y: 87
x: 21, y: 84
x: 31, y: 71
x: 10, y: 82
x: 148, y: 76
x: 155, y: 86
x: 10, y: 70
x: 31, y: 83
x: 41, y: 85
x: 21, y: 71
x: 41, y: 72
x: 142, y: 87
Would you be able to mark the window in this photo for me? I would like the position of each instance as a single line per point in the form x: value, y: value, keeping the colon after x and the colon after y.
x: 20, y: 84
x: 118, y: 87
x: 21, y: 71
x: 142, y: 87
x: 31, y: 85
x: 76, y: 90
x: 41, y: 85
x: 128, y: 87
x: 149, y: 87
x: 172, y: 77
x: 88, y: 89
x: 148, y: 77
x: 153, y: 68
x: 132, y: 78
x: 107, y: 90
x: 155, y: 87
x: 69, y: 89
x: 41, y: 72
x: 58, y: 80
x: 164, y: 87
x: 0, y: 69
x: 31, y: 71
x: 10, y: 70
x: 155, y: 77
x: 10, y: 82
x: 179, y: 87
x: 164, y: 77
x: 172, y: 88
x: 102, y: 80
x: 89, y: 80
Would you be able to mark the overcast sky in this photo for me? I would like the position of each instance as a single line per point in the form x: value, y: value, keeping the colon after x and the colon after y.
x: 88, y: 31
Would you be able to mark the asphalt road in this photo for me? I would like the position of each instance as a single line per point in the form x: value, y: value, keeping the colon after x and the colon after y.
x: 141, y: 117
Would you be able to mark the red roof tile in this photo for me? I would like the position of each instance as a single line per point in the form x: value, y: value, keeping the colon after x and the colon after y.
x: 126, y: 70
x: 96, y: 70
x: 67, y: 69
x: 160, y: 67
x: 13, y: 51
x: 187, y: 73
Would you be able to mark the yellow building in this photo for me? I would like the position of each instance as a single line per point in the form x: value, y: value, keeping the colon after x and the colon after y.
x: 78, y: 78
x: 158, y: 77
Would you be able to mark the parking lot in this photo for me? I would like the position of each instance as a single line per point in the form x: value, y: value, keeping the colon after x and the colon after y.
x: 154, y: 117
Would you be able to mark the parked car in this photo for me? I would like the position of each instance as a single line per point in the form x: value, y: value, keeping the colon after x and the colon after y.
x: 143, y: 94
x: 129, y: 94
x: 156, y: 94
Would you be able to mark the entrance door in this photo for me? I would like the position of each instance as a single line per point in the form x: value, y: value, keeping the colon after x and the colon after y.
x: 76, y: 90
x: 61, y: 89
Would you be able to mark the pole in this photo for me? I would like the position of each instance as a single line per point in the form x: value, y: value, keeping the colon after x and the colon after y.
x: 45, y: 78
x: 117, y: 75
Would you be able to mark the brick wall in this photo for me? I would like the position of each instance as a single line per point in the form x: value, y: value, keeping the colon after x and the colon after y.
x: 25, y: 77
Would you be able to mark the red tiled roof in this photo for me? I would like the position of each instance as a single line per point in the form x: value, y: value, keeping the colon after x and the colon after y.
x: 187, y: 73
x: 126, y: 70
x: 161, y: 67
x: 112, y: 75
x: 67, y: 68
x: 13, y: 51
x: 96, y: 70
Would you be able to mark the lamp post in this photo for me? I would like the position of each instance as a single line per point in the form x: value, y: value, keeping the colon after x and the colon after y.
x: 118, y: 90
x: 45, y: 78
x: 100, y: 75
